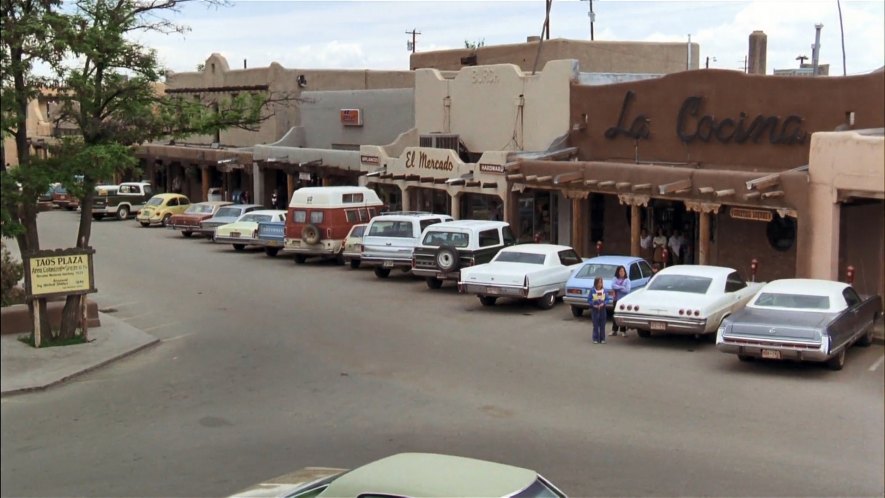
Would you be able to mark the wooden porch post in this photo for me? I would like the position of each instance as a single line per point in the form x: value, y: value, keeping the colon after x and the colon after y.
x: 204, y: 182
x: 704, y: 234
x: 578, y: 224
x: 290, y: 186
x: 635, y: 225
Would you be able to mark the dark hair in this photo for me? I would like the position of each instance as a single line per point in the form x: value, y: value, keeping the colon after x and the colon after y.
x: 598, y: 280
x: 618, y: 271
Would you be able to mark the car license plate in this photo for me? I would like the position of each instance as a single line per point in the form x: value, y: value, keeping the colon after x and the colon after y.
x: 493, y: 290
x: 275, y: 243
x: 387, y: 264
x: 235, y: 234
x: 658, y: 325
x: 771, y: 354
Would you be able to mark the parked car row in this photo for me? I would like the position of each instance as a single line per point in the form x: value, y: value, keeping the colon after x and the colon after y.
x: 796, y: 319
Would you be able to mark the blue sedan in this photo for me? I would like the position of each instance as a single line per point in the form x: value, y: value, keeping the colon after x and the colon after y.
x: 577, y: 289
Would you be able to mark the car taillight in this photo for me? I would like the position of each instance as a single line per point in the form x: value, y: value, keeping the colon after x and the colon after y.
x: 629, y: 307
x: 681, y: 312
x: 622, y: 306
x: 525, y: 282
x: 636, y: 308
x: 362, y: 247
x: 697, y: 313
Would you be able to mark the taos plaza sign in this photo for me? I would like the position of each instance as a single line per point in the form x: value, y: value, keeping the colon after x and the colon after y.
x: 59, y: 273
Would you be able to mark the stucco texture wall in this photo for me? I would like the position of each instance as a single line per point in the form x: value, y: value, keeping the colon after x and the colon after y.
x: 596, y: 56
x: 386, y: 113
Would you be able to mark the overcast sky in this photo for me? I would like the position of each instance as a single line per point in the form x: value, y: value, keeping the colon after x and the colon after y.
x: 371, y: 34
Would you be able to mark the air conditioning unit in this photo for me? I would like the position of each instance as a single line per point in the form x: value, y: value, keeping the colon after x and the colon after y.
x: 440, y: 141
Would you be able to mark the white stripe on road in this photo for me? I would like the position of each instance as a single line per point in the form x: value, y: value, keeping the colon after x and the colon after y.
x: 155, y: 327
x: 877, y: 364
x: 182, y: 336
x: 137, y: 316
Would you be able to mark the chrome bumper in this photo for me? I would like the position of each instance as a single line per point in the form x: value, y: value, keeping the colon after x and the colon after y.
x: 235, y: 240
x: 186, y: 228
x: 324, y: 248
x: 671, y: 325
x: 401, y: 264
x: 442, y: 275
x: 763, y: 348
x: 493, y: 290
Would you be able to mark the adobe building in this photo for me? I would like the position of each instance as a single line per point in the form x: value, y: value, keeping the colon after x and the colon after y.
x: 468, y: 126
x: 721, y: 156
x: 847, y: 208
x: 325, y: 149
x: 622, y: 57
x: 224, y: 160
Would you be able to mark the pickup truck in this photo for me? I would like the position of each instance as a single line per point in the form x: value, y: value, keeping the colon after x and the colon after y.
x: 390, y: 240
x: 127, y: 199
x: 271, y: 235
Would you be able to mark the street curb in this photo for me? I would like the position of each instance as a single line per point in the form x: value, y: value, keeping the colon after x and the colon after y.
x: 23, y: 390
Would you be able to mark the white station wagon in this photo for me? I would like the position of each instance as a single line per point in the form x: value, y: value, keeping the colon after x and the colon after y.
x: 685, y: 299
x: 528, y: 271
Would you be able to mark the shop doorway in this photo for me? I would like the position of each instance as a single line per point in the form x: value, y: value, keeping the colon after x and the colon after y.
x: 481, y: 207
x: 538, y: 216
x: 862, y: 243
x: 429, y: 200
x: 673, y: 219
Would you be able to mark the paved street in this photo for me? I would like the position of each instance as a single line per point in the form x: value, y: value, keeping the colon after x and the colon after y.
x: 265, y: 367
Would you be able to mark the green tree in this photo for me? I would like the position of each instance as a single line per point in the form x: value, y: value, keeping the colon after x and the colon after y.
x: 110, y: 92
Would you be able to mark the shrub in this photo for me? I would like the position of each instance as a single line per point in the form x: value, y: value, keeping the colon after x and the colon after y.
x: 11, y: 272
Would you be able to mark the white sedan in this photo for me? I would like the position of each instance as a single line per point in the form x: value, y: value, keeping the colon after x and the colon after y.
x: 685, y: 299
x: 244, y: 231
x: 528, y: 271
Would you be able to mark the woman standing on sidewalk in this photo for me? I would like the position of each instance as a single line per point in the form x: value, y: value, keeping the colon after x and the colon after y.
x: 597, y: 310
x: 621, y: 287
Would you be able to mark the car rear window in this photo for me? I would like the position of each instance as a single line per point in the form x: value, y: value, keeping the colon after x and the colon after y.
x: 316, y: 217
x: 391, y: 228
x: 300, y: 217
x: 441, y: 238
x: 228, y: 211
x: 593, y: 270
x: 358, y: 231
x: 681, y: 283
x: 795, y: 301
x: 199, y: 209
x: 257, y: 218
x: 520, y: 257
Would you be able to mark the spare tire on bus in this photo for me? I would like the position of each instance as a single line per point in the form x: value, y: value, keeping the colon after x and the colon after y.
x: 310, y: 234
x: 447, y: 258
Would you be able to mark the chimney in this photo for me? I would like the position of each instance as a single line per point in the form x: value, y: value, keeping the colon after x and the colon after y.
x: 758, y: 52
x: 815, y: 50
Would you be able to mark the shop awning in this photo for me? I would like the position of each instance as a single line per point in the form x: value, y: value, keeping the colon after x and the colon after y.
x: 461, y: 180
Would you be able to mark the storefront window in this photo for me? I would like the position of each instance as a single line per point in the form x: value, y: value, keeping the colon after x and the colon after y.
x: 430, y: 200
x: 481, y: 207
x: 538, y: 216
x: 781, y: 233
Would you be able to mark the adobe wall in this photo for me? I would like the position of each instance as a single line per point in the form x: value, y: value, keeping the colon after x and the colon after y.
x: 279, y: 81
x: 385, y: 114
x: 596, y: 56
x: 496, y: 107
x: 707, y: 116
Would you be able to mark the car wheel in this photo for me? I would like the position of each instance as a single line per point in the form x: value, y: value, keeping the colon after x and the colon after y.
x: 239, y: 247
x: 381, y: 272
x: 186, y: 233
x: 339, y: 259
x: 166, y: 220
x: 447, y: 258
x: 577, y: 311
x: 354, y: 263
x: 547, y: 302
x: 123, y: 213
x: 745, y: 357
x: 300, y: 259
x: 643, y: 333
x: 144, y: 223
x: 866, y: 339
x: 488, y: 300
x: 838, y: 361
x: 271, y: 251
x: 433, y: 282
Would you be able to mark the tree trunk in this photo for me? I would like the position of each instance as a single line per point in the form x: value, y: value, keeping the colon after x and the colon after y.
x: 71, y: 315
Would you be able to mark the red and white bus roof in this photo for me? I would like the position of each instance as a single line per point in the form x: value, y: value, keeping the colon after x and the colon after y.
x: 334, y: 197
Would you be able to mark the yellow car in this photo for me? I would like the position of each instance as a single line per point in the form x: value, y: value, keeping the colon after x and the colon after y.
x: 160, y: 208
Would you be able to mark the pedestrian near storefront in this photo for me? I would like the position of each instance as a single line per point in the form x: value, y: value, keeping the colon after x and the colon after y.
x: 645, y: 244
x: 675, y: 243
x: 597, y: 310
x: 621, y: 287
x: 659, y: 243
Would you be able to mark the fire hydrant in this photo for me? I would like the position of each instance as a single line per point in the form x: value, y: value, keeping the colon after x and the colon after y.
x: 849, y: 275
x: 754, y: 267
x: 599, y: 248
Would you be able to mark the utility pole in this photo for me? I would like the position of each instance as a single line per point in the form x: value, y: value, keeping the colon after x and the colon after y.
x: 411, y: 45
x: 592, y: 16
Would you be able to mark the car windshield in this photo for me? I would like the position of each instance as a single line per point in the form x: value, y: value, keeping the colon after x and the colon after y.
x: 439, y: 238
x: 155, y: 201
x: 681, y: 283
x: 256, y: 217
x: 199, y: 209
x: 520, y: 257
x: 795, y: 301
x: 228, y: 212
x: 593, y: 270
